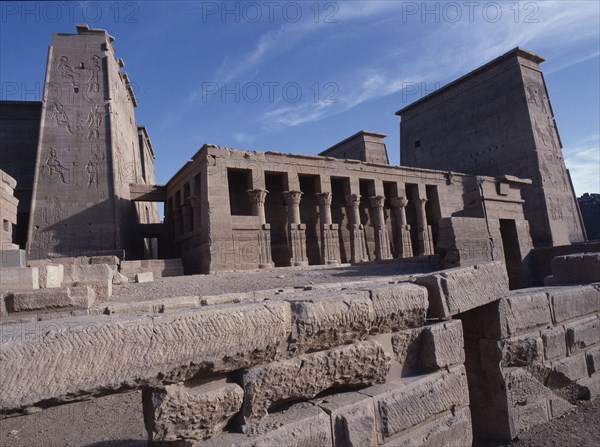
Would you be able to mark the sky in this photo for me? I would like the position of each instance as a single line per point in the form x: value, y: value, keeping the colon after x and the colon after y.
x: 300, y: 76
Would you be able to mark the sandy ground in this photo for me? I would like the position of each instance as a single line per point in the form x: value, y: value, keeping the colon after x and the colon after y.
x: 117, y: 420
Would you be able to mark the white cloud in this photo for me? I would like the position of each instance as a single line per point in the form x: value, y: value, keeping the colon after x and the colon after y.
x: 583, y: 163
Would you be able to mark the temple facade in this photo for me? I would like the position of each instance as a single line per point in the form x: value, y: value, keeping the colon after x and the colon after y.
x: 482, y: 178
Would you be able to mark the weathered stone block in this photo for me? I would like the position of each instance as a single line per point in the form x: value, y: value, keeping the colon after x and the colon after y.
x: 51, y: 275
x: 555, y: 344
x: 576, y: 268
x: 557, y: 406
x: 522, y: 351
x: 519, y: 312
x: 443, y: 345
x: 449, y: 430
x: 12, y: 257
x: 100, y: 353
x: 144, y: 277
x: 398, y: 306
x: 119, y: 278
x: 592, y: 358
x: 352, y: 419
x: 532, y: 414
x: 301, y: 425
x: 185, y: 411
x: 453, y: 291
x: 522, y: 388
x: 333, y: 319
x: 14, y: 279
x: 575, y: 301
x: 50, y: 299
x: 401, y: 403
x: 130, y: 268
x: 98, y: 276
x: 407, y: 346
x: 112, y: 261
x: 581, y: 334
x: 304, y: 377
x: 574, y: 368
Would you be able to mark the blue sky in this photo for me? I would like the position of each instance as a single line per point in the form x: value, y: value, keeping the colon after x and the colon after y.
x: 300, y: 76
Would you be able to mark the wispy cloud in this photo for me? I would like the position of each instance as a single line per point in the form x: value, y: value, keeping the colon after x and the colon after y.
x: 583, y: 162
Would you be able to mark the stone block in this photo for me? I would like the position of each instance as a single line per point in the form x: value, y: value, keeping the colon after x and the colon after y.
x: 50, y: 299
x: 523, y: 350
x: 398, y: 306
x: 98, y: 354
x: 520, y: 312
x: 574, y: 301
x: 407, y: 346
x: 451, y: 429
x: 576, y: 268
x: 557, y: 406
x: 300, y: 425
x: 119, y: 278
x: 453, y: 291
x: 555, y: 344
x: 325, y: 320
x: 401, y: 404
x: 443, y: 345
x: 583, y: 333
x: 592, y: 358
x: 13, y: 279
x: 130, y: 268
x: 108, y: 260
x: 98, y: 276
x: 352, y: 419
x: 532, y: 414
x: 185, y: 411
x: 574, y: 368
x: 51, y: 275
x: 144, y: 277
x: 522, y: 388
x: 12, y: 257
x: 303, y: 377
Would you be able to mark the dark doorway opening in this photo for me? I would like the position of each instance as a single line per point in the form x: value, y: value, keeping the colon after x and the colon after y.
x: 512, y: 253
x: 275, y: 215
x: 310, y: 217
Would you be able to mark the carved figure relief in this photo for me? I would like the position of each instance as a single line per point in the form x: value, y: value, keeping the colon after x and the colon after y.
x: 93, y: 121
x: 534, y: 95
x: 93, y: 82
x: 55, y: 168
x: 92, y: 171
x: 68, y: 73
x: 59, y: 115
x: 51, y: 213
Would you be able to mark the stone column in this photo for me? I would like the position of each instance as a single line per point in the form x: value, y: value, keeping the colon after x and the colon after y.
x: 424, y: 233
x: 196, y: 212
x: 402, y: 228
x: 382, y: 239
x: 330, y: 242
x: 357, y: 230
x: 296, y: 229
x: 257, y: 197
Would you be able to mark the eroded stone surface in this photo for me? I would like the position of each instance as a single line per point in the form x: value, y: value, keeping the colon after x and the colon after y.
x: 82, y: 356
x: 573, y: 302
x: 304, y: 377
x: 453, y: 291
x: 398, y: 306
x: 50, y: 299
x: 190, y: 412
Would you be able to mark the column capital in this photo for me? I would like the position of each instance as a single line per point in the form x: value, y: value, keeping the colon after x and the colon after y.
x: 421, y: 200
x: 398, y: 202
x: 292, y: 197
x: 352, y: 199
x: 257, y: 195
x: 323, y: 198
x: 377, y: 201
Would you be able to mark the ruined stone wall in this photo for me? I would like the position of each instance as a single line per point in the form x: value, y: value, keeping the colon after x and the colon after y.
x: 531, y: 356
x: 494, y: 121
